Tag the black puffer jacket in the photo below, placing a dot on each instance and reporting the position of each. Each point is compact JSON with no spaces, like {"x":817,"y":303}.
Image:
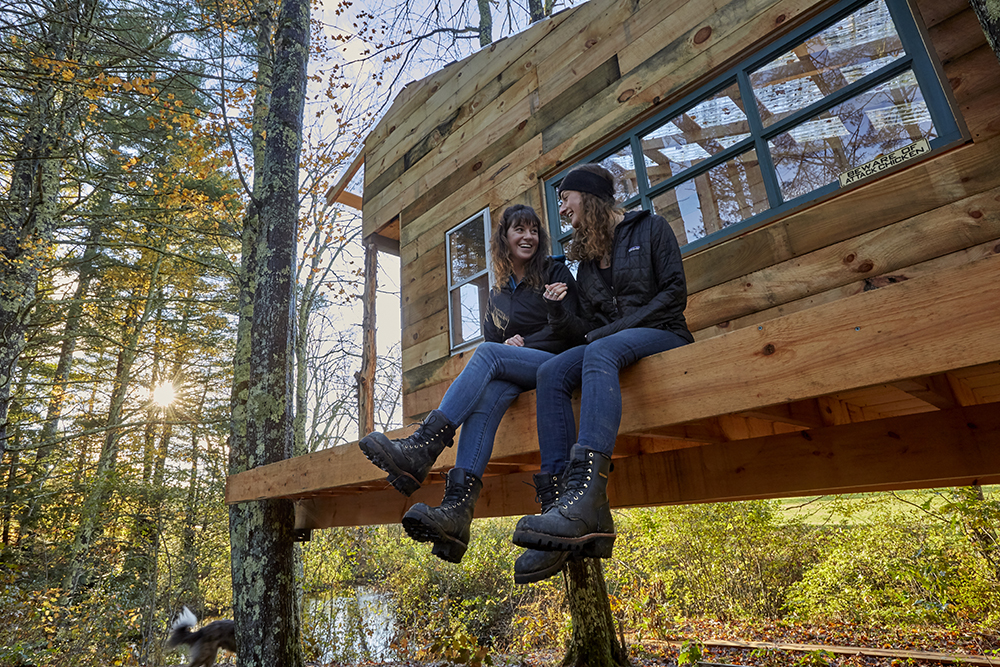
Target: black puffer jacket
{"x":649,"y":285}
{"x":521,"y":310}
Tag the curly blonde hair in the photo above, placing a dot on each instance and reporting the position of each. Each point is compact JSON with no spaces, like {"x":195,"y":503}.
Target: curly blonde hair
{"x":503,"y":266}
{"x":593,"y":239}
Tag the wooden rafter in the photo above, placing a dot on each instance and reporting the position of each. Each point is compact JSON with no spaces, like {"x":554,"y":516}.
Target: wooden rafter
{"x":339,"y":194}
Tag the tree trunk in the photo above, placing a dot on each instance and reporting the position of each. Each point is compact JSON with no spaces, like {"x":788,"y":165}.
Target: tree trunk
{"x":485,"y":23}
{"x":366,"y":376}
{"x":189,"y":589}
{"x":26,"y":230}
{"x":988,"y":12}
{"x":103,"y":484}
{"x":41,"y":468}
{"x":9,"y":488}
{"x":536,"y":12}
{"x":594,"y":642}
{"x":263,"y":558}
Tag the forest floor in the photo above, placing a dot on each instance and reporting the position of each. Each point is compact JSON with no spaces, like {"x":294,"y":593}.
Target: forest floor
{"x":778,"y":645}
{"x":789,"y":645}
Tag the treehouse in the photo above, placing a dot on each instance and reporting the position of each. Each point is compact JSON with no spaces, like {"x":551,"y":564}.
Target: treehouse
{"x":832,"y":172}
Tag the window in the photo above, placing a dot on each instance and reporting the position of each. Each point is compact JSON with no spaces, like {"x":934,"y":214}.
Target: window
{"x":786,"y":126}
{"x":468,"y":278}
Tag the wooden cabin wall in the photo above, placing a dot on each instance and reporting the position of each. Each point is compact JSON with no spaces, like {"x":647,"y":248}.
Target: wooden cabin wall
{"x":485,"y":131}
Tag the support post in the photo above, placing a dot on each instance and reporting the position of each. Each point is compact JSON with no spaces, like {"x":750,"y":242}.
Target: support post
{"x":594,"y":642}
{"x":366,"y":376}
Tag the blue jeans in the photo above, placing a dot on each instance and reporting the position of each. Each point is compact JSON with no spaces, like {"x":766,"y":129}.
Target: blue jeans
{"x":482,"y":392}
{"x":594,"y":368}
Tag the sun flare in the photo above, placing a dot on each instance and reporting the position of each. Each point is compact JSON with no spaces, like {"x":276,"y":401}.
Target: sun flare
{"x":163,"y":395}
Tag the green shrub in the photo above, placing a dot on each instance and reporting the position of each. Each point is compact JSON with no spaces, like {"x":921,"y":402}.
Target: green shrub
{"x":730,"y":560}
{"x":896,"y":560}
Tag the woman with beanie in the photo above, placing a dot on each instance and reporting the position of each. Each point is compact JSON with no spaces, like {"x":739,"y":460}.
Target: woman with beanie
{"x":632,"y":295}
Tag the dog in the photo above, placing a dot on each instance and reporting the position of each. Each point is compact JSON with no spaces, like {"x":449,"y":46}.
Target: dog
{"x":204,"y":643}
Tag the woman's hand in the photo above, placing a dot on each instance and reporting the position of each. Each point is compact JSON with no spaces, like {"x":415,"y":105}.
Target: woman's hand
{"x":515,"y":340}
{"x":555,"y":291}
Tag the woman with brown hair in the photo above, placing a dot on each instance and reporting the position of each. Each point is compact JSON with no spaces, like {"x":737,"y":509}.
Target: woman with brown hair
{"x":518,"y":340}
{"x":632,"y":294}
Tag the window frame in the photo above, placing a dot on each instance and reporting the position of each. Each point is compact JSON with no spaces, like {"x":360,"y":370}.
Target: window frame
{"x":918,"y":57}
{"x":452,"y":286}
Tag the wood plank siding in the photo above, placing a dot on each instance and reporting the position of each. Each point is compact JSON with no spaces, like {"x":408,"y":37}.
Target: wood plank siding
{"x":849,"y":344}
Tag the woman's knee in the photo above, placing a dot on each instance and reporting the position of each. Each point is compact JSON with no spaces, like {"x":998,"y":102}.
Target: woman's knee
{"x":486,"y":356}
{"x":605,"y":353}
{"x":558,"y":375}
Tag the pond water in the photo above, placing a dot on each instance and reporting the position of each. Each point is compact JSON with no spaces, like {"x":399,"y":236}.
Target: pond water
{"x":349,"y":625}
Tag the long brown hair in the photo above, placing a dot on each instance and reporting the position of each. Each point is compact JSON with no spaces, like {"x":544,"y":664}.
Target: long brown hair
{"x":503,"y":266}
{"x":593,"y":239}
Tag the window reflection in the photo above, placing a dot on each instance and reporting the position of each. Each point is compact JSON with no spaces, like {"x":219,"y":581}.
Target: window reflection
{"x":709,"y":127}
{"x":468,"y":250}
{"x":722,"y":196}
{"x":851,"y":121}
{"x":621,"y":164}
{"x":468,"y":278}
{"x":852,"y":48}
{"x":468,"y":303}
{"x":878,"y":121}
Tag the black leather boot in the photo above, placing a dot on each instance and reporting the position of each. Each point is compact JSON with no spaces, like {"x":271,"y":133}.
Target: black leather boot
{"x":447,"y":526}
{"x":581,"y":521}
{"x":534,"y":565}
{"x":409,"y":460}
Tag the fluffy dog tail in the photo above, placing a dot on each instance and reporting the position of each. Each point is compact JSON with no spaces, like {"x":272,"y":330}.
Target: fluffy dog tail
{"x":180,"y":631}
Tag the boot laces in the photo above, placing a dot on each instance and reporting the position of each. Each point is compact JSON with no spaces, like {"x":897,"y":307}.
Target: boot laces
{"x":548,"y":494}
{"x":578,"y":475}
{"x":455,"y":494}
{"x":420,"y":438}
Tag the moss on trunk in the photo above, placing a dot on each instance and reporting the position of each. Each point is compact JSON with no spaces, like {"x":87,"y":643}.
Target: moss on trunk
{"x":594,"y":642}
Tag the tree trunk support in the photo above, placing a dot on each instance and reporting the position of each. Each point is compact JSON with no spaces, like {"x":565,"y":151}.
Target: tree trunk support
{"x":594,"y":642}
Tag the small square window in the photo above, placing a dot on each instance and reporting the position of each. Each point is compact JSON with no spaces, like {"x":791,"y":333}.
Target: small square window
{"x":468,"y":278}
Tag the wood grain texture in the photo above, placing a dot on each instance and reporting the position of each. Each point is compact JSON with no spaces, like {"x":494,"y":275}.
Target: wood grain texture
{"x":924,"y":326}
{"x":955,"y":447}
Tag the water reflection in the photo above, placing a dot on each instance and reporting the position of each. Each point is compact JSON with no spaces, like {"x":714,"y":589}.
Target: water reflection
{"x":349,"y":625}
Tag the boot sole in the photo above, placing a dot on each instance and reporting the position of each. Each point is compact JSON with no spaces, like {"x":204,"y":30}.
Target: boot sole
{"x":446,"y":547}
{"x":374,"y":451}
{"x":546,"y":572}
{"x":593,"y":545}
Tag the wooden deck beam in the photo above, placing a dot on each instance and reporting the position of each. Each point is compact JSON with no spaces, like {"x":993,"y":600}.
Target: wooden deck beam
{"x":953,"y":447}
{"x":902,"y":333}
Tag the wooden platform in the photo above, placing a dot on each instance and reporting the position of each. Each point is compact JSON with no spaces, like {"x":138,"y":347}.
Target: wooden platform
{"x":783,"y":408}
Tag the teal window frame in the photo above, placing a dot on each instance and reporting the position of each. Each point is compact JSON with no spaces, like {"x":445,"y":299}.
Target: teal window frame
{"x":917,"y":57}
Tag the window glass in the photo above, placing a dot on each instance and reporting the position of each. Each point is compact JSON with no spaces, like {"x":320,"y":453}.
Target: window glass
{"x":707,"y":128}
{"x":621,"y":164}
{"x":835,"y":97}
{"x":876,"y":122}
{"x":468,"y":278}
{"x":847,"y":51}
{"x":720,"y":197}
{"x":467,"y":247}
{"x":468,"y":304}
